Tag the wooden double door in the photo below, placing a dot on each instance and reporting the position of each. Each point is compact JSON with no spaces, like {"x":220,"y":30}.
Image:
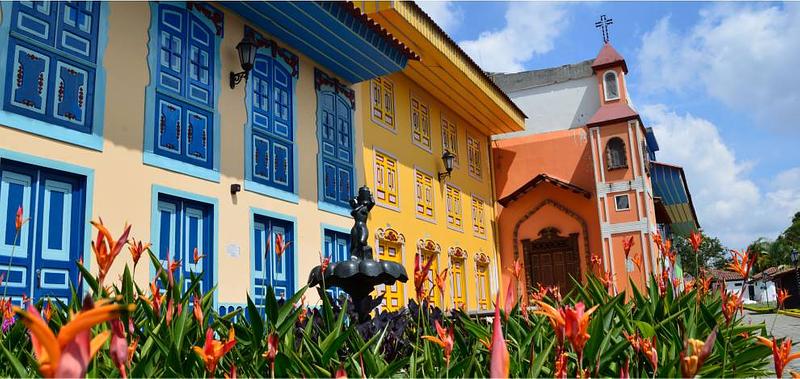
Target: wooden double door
{"x":552,"y":259}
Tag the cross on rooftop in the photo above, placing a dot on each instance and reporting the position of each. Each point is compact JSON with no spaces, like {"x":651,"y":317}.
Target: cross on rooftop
{"x":603,"y":26}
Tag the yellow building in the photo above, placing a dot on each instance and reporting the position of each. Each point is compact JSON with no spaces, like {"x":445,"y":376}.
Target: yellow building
{"x":442,"y":102}
{"x":126,"y":111}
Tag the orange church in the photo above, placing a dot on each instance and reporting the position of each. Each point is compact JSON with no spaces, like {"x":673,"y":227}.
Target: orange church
{"x":583,"y":179}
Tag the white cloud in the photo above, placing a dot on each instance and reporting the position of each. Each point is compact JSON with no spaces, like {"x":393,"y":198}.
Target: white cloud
{"x":447,"y":14}
{"x":745,"y":56}
{"x":729,"y":204}
{"x":530,"y":29}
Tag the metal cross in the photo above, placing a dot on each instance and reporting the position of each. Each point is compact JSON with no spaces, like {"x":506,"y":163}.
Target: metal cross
{"x":603,"y":26}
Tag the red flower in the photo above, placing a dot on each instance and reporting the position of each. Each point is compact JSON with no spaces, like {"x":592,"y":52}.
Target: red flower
{"x":47,"y":311}
{"x":137,"y":249}
{"x":781,"y":353}
{"x":118,"y":348}
{"x":214,"y":350}
{"x":695,"y":239}
{"x":783,"y":294}
{"x":106,"y":248}
{"x":323,"y":264}
{"x":280,"y":245}
{"x":742,"y":262}
{"x":19,"y":220}
{"x":516,"y":269}
{"x":445,"y":340}
{"x":340,"y":372}
{"x":627,"y":244}
{"x":597,"y":261}
{"x":441,"y":281}
{"x":561,"y":366}
{"x":556,"y":318}
{"x":197,"y":309}
{"x":637,"y":260}
{"x":511,"y":299}
{"x":576,"y":324}
{"x":421,"y":276}
{"x":499,"y":358}
{"x":731,"y":303}
{"x":196,"y":256}
{"x":692,"y":359}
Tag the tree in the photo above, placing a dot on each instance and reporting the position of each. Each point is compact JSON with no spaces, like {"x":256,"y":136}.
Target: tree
{"x":711,"y":253}
{"x":777,"y":252}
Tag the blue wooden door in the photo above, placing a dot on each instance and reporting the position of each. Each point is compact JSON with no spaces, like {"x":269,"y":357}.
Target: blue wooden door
{"x":182,"y":226}
{"x":336,"y":149}
{"x":337,"y":247}
{"x":269,"y":269}
{"x":39,"y":261}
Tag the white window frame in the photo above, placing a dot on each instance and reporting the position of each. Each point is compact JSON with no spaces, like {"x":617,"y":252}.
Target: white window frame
{"x":616,"y":203}
{"x":605,"y":89}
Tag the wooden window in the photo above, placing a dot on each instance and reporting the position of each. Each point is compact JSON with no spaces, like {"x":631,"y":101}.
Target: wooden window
{"x":390,"y":248}
{"x":615,"y":152}
{"x":386,"y":180}
{"x":424,"y":193}
{"x":458,"y":278}
{"x":478,"y":218}
{"x":335,"y":124}
{"x":611,"y":85}
{"x":483,"y":285}
{"x":382,"y":95}
{"x":420,"y":124}
{"x":622,"y":202}
{"x":449,"y":137}
{"x":474,"y":157}
{"x":429,"y":249}
{"x":454,"y":214}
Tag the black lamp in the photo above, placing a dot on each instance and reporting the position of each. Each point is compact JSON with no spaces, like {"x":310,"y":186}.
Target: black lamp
{"x":247,"y":56}
{"x":448,"y":159}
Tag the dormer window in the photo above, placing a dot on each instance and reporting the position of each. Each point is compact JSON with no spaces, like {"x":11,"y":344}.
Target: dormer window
{"x":611,"y":85}
{"x":615,"y":152}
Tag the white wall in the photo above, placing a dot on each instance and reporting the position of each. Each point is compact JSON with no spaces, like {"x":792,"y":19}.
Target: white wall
{"x":558,"y":106}
{"x":765,"y":292}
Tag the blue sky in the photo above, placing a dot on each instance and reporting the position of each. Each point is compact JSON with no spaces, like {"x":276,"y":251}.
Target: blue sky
{"x":717,"y":81}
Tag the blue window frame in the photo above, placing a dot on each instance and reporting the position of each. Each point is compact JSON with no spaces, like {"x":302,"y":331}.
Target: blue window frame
{"x":270,"y":151}
{"x":335,"y":104}
{"x":51,"y":69}
{"x":182,"y":122}
{"x":181,"y":225}
{"x":40,"y":261}
{"x":269,"y":269}
{"x":337,"y":247}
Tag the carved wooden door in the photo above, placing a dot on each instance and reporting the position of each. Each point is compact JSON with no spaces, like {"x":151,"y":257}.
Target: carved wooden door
{"x":551,"y":259}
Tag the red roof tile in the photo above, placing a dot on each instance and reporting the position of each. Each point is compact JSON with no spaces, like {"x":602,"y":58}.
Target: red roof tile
{"x":609,"y":56}
{"x":612,"y":112}
{"x":719,"y":275}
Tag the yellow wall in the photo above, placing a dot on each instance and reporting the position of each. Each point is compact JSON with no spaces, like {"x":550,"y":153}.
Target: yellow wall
{"x":398,"y":144}
{"x":123,"y":184}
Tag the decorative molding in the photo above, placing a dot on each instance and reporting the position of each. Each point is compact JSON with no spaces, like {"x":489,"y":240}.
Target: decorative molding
{"x":213,"y":14}
{"x":275,"y":50}
{"x":322,"y":79}
{"x":390,"y":235}
{"x":482,"y":259}
{"x":429,"y":245}
{"x":457,"y":252}
{"x":562,"y":208}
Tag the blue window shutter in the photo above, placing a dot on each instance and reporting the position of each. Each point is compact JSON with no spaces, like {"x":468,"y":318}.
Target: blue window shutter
{"x":198,"y":136}
{"x":268,"y":268}
{"x":182,"y":226}
{"x":282,"y":102}
{"x":200,"y":42}
{"x":168,"y":237}
{"x":169,"y":127}
{"x":337,"y":247}
{"x":78,"y":23}
{"x":36,"y":20}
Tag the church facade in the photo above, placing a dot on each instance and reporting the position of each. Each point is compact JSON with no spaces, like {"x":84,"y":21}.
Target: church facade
{"x":579,"y":190}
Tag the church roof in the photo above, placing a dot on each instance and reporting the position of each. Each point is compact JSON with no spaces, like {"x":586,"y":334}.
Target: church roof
{"x":518,"y":81}
{"x":607,"y":57}
{"x":543,"y":178}
{"x":612,"y":113}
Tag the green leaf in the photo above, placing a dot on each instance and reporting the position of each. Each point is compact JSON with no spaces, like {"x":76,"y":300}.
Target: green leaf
{"x":645,"y":329}
{"x":15,"y":363}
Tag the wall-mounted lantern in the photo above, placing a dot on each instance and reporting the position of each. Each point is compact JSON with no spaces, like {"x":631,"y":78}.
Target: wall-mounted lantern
{"x":235,"y":188}
{"x":246,"y":49}
{"x":448,"y":159}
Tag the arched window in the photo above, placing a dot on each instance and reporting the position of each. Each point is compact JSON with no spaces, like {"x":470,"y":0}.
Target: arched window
{"x":611,"y":85}
{"x":615,"y":150}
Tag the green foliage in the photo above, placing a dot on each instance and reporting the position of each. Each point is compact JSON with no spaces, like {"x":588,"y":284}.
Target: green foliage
{"x":711,"y":253}
{"x":319,"y":341}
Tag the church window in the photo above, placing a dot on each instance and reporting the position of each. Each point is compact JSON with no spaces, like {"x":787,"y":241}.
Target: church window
{"x":482,"y":281}
{"x":474,"y":156}
{"x":458,"y":278}
{"x":386,"y":180}
{"x":382,"y":96}
{"x":615,"y":150}
{"x":424,"y":193}
{"x":622,"y":202}
{"x":611,"y":85}
{"x":449,"y":136}
{"x":478,"y":218}
{"x":454,"y":214}
{"x":420,"y":124}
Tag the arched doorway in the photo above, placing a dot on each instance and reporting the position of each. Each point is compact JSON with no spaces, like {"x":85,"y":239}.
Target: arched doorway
{"x":551,"y":259}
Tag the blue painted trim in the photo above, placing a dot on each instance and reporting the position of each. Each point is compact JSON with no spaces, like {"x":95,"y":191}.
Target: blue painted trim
{"x":266,"y":190}
{"x":152,"y":159}
{"x":93,"y":140}
{"x":335,"y":209}
{"x":86,"y":172}
{"x":254,"y":211}
{"x":149,"y":156}
{"x":159,"y":189}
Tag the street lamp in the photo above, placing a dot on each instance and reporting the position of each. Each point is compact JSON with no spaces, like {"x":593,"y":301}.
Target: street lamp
{"x":246,"y":50}
{"x":447,"y":158}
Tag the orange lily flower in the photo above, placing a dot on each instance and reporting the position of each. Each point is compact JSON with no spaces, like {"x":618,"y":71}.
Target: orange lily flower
{"x":445,"y":340}
{"x":68,"y":353}
{"x":156,"y":302}
{"x":627,"y":244}
{"x":561,"y":366}
{"x":706,"y":284}
{"x":688,"y":285}
{"x":137,"y":249}
{"x":7,"y":310}
{"x":197,"y":256}
{"x":441,"y":281}
{"x":781,"y":353}
{"x":695,"y":239}
{"x":106,"y":249}
{"x":576,"y":323}
{"x":499,"y":358}
{"x":280,"y":245}
{"x":556,"y":317}
{"x":172,"y":266}
{"x":47,"y":311}
{"x":516,"y":269}
{"x":731,"y":303}
{"x":783,"y":294}
{"x":692,"y":359}
{"x":213,"y":350}
{"x":742,"y":262}
{"x":609,"y":280}
{"x":634,"y":340}
{"x":132,"y":349}
{"x":197,"y":309}
{"x":597,"y":261}
{"x":421,"y":275}
{"x":19,"y":220}
{"x":637,"y":260}
{"x":676,"y":283}
{"x":650,"y":352}
{"x":539,"y":293}
{"x":170,"y":311}
{"x":658,"y":241}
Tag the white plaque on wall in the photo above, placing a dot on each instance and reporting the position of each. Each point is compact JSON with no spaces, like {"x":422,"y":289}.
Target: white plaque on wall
{"x":233,"y":250}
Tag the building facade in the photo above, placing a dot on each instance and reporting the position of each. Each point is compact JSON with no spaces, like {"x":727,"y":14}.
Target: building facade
{"x":125,"y":111}
{"x":577,"y":186}
{"x":411,"y":118}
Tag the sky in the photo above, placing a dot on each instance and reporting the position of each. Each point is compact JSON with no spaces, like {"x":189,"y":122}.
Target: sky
{"x":718,"y":82}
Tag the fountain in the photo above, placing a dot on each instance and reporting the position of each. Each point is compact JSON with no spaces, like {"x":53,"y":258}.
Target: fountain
{"x":359,"y":275}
